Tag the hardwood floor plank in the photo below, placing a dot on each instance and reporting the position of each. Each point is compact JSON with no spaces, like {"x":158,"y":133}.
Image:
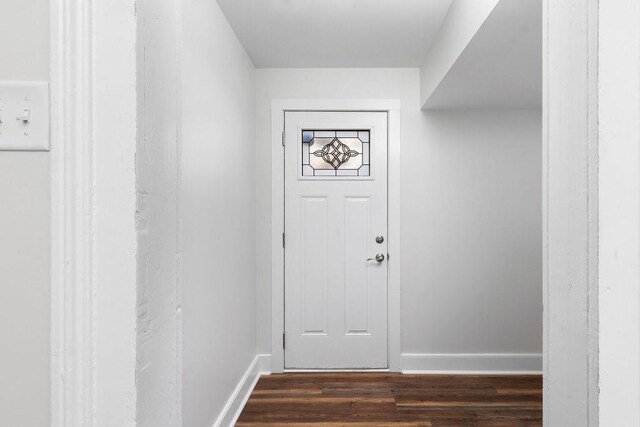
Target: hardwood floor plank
{"x":518,"y":390}
{"x":284,"y":392}
{"x":323,"y":399}
{"x":342,"y":424}
{"x":445,"y":391}
{"x":469,"y":402}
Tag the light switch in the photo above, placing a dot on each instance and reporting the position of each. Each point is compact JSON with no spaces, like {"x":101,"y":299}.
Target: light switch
{"x":24,"y":116}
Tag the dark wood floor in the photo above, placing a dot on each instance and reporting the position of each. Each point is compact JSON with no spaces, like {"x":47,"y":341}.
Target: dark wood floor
{"x":376,"y":400}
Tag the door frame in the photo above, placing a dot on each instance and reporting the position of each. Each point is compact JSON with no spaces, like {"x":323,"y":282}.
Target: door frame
{"x":278,"y":109}
{"x":93,"y":240}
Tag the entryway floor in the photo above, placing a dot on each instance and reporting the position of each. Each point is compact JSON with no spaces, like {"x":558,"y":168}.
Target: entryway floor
{"x":383,"y":399}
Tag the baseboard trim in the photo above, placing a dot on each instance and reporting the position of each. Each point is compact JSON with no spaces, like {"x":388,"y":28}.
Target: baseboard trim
{"x":476,"y":364}
{"x":261,"y":365}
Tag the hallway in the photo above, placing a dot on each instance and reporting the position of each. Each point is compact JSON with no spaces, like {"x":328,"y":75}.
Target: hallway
{"x":383,"y":399}
{"x":310,"y":213}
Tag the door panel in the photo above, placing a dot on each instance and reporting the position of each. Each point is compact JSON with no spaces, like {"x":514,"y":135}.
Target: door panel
{"x":335,"y":206}
{"x":314,"y":264}
{"x":357,"y":220}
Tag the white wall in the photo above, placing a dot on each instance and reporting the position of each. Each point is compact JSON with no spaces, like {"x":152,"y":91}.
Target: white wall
{"x":471,"y":216}
{"x":24,"y":233}
{"x":159,"y":363}
{"x":195,"y":213}
{"x":471,"y":233}
{"x":217,"y":211}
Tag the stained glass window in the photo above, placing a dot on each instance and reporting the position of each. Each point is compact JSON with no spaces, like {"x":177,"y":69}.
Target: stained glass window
{"x":335,"y":153}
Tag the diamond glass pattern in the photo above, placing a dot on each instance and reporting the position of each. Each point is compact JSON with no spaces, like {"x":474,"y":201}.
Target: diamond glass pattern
{"x":335,"y":153}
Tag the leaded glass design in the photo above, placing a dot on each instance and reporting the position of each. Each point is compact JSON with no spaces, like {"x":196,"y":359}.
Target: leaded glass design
{"x":335,"y":153}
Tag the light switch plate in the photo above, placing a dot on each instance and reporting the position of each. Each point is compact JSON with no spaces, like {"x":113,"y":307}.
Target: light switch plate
{"x":24,"y":116}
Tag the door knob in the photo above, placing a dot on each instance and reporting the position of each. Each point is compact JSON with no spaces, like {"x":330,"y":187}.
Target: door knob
{"x":378,"y":257}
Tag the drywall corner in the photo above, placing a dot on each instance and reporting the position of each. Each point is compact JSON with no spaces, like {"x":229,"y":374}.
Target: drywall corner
{"x":463,"y":20}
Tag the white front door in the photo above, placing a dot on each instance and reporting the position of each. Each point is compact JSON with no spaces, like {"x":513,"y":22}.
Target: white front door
{"x":336,"y":226}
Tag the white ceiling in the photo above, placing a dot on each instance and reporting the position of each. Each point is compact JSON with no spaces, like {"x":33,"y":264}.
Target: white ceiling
{"x":335,"y":33}
{"x":502,"y":65}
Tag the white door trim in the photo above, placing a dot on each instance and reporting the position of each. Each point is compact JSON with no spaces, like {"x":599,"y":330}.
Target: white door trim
{"x":71,"y":169}
{"x":278,"y":107}
{"x":93,"y":234}
{"x":570,"y":213}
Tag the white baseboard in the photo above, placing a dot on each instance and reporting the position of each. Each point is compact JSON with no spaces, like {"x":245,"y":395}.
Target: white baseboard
{"x":477,"y":364}
{"x":261,"y":365}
